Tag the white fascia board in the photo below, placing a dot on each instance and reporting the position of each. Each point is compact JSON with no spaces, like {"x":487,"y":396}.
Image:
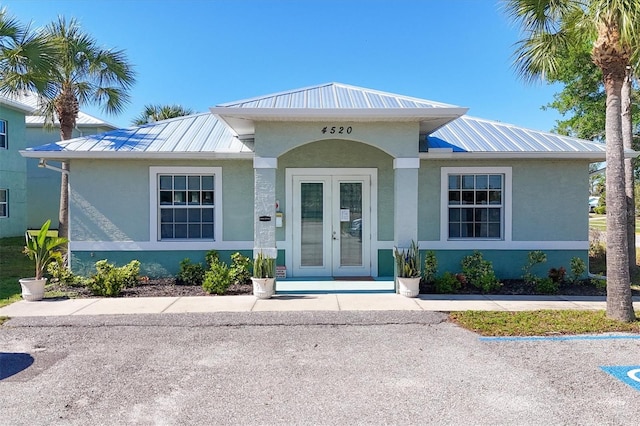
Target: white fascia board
{"x":16,"y":105}
{"x":592,"y":156}
{"x":106,"y":155}
{"x":310,"y":114}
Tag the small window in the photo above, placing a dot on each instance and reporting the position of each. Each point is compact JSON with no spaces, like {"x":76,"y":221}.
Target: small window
{"x":4,"y":140}
{"x":186,"y":208}
{"x":4,"y":203}
{"x":475,"y":206}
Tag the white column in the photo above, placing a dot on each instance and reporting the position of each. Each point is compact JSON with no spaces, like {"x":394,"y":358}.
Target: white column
{"x":405,"y":215}
{"x":264,"y":234}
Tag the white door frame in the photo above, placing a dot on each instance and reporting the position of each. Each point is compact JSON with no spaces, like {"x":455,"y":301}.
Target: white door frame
{"x":294,"y":174}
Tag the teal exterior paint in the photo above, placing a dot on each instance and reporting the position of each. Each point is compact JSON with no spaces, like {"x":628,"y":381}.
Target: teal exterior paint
{"x":13,"y":173}
{"x":154,"y":264}
{"x":508,"y":264}
{"x":121,"y":212}
{"x":549,"y":198}
{"x":43,"y":185}
{"x":343,"y":154}
{"x":386,"y":266}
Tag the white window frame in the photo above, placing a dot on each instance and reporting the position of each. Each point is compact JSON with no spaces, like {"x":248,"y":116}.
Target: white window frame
{"x":476,"y":243}
{"x":5,"y":203}
{"x":154,"y":206}
{"x":5,"y":134}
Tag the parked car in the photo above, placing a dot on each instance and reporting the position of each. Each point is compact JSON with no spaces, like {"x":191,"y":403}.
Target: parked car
{"x":593,"y":203}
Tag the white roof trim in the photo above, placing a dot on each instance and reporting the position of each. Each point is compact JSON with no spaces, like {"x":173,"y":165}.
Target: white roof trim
{"x":594,"y":156}
{"x":128,"y":155}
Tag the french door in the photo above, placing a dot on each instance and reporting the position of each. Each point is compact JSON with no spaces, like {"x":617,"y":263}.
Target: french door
{"x":331,"y":225}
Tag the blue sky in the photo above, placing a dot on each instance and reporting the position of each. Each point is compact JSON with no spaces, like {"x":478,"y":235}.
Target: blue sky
{"x":200,"y":53}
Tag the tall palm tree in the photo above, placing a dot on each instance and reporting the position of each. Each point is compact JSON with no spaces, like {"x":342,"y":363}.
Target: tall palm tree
{"x":153,"y":113}
{"x":549,"y":26}
{"x":81,"y":73}
{"x":25,"y":56}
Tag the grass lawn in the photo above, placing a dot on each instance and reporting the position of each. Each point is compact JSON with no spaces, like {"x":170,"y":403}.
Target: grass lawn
{"x":599,"y":222}
{"x":13,"y":266}
{"x":541,"y":323}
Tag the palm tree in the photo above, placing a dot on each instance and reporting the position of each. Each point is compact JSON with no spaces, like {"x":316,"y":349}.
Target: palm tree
{"x":81,"y":73}
{"x":549,"y":26}
{"x":24,"y":58}
{"x":153,"y":113}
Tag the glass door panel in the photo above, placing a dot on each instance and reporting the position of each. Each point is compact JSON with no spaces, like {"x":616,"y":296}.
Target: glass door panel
{"x":351,"y":223}
{"x":311,"y":224}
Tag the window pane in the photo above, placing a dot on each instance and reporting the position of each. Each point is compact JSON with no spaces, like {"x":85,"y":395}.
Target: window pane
{"x":180,"y":215}
{"x":482,"y":182}
{"x":494,"y":215}
{"x":207,"y":197}
{"x":179,"y":182}
{"x":495,"y":182}
{"x":481,"y":215}
{"x":480,"y":230}
{"x":194,"y":197}
{"x":3,"y":126}
{"x":466,"y":215}
{"x":468,"y":181}
{"x":3,"y":195}
{"x":494,"y":230}
{"x":166,"y":231}
{"x":454,"y":181}
{"x":165,"y":182}
{"x":194,"y":215}
{"x":180,"y":231}
{"x":166,"y":215}
{"x":3,"y":141}
{"x":166,"y":197}
{"x":454,"y":197}
{"x":207,"y":183}
{"x":454,"y":230}
{"x":466,"y":230}
{"x":495,"y":197}
{"x":468,"y":197}
{"x":481,"y":197}
{"x":194,"y":183}
{"x":179,"y":197}
{"x":207,"y":231}
{"x":207,"y":215}
{"x":3,"y":210}
{"x":454,"y":215}
{"x":194,"y":231}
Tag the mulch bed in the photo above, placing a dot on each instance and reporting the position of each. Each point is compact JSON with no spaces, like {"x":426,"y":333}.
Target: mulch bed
{"x":167,"y":287}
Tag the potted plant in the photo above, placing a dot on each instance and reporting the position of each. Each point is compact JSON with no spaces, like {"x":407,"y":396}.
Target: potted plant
{"x":42,"y":249}
{"x":263,"y":276}
{"x":408,"y":270}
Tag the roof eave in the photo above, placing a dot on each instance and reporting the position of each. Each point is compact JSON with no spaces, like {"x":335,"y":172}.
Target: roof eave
{"x":110,"y":155}
{"x":590,"y":156}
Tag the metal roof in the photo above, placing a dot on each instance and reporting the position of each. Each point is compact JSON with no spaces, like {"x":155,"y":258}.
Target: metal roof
{"x":335,"y":96}
{"x":211,"y":135}
{"x":193,"y":136}
{"x":475,"y":135}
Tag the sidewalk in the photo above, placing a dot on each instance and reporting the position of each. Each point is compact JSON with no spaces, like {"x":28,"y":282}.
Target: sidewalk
{"x":306,"y":302}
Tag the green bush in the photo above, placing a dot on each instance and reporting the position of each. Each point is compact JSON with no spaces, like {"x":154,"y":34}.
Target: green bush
{"x":547,"y":286}
{"x":109,"y":280}
{"x":240,"y":268}
{"x":600,"y":210}
{"x":479,"y":273}
{"x":217,"y":279}
{"x":190,"y":273}
{"x":534,"y":258}
{"x":430,"y":266}
{"x":578,"y":268}
{"x":211,"y":257}
{"x":447,"y":283}
{"x":63,"y":275}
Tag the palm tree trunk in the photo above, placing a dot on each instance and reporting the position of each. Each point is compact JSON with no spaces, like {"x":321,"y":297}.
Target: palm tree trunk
{"x":63,"y":214}
{"x":627,"y":140}
{"x":619,"y":302}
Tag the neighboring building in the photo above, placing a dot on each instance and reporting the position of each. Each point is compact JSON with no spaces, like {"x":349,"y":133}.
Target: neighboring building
{"x":30,"y":185}
{"x":330,"y":178}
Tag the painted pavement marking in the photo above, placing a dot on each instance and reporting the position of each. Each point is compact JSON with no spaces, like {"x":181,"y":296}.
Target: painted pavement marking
{"x":626,"y":374}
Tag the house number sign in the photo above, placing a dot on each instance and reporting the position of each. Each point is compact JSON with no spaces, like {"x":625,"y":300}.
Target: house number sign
{"x":340,"y":130}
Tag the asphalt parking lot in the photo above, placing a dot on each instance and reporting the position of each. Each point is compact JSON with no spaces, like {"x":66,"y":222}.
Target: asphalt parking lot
{"x":303,"y":368}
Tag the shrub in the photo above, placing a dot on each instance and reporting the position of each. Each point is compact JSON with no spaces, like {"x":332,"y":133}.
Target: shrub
{"x":62,"y":274}
{"x":479,"y":273}
{"x":600,"y":210}
{"x":547,"y":286}
{"x":534,"y":258}
{"x":557,"y":275}
{"x":240,"y":269}
{"x":578,"y":268}
{"x":211,"y":257}
{"x":599,"y":283}
{"x":447,"y":283}
{"x":430,"y":266}
{"x":217,"y":279}
{"x":190,"y":273}
{"x":109,"y":280}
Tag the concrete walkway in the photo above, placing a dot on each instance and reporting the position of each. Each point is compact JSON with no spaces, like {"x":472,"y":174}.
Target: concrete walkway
{"x":308,"y":302}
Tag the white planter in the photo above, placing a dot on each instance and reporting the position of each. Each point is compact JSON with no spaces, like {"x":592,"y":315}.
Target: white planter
{"x":409,"y":287}
{"x":32,"y":289}
{"x":263,"y":288}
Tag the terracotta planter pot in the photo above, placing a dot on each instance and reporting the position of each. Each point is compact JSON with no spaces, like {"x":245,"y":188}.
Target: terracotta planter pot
{"x":32,"y":289}
{"x":263,"y":288}
{"x":409,"y":287}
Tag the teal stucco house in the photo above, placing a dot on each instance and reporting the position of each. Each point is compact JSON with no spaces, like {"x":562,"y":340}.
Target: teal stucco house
{"x":29,"y":195}
{"x":329,"y":179}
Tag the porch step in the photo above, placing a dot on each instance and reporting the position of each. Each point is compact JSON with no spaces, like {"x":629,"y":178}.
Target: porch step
{"x":333,"y":286}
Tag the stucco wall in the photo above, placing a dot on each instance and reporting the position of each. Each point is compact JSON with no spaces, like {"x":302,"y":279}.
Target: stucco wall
{"x":13,"y":173}
{"x":110,"y":198}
